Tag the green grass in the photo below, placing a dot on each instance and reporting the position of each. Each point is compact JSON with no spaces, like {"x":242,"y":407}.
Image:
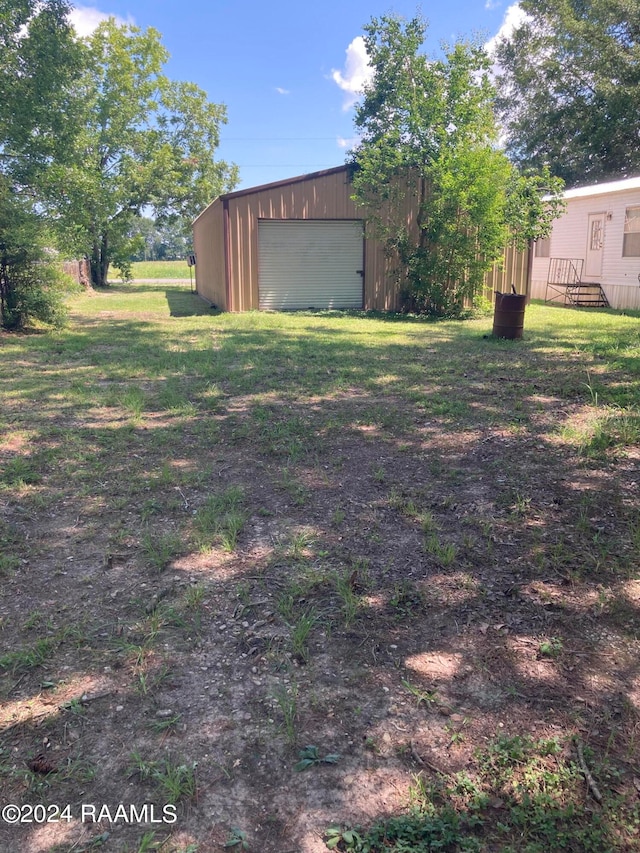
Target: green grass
{"x":444,"y":553}
{"x":21,"y":660}
{"x":286,"y":699}
{"x":220,"y":520}
{"x":325,"y":354}
{"x":156,"y":269}
{"x":349,"y":600}
{"x":160,"y":548}
{"x":175,"y":782}
{"x":300,"y":633}
{"x":535,"y":789}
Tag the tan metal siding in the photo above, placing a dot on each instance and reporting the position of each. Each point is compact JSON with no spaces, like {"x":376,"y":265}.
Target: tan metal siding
{"x":384,"y":274}
{"x":381,"y":290}
{"x":512,"y":270}
{"x":208,"y":244}
{"x":324,"y":197}
{"x":319,"y":196}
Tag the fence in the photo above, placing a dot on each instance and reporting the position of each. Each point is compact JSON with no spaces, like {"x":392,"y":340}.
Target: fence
{"x":79,"y":271}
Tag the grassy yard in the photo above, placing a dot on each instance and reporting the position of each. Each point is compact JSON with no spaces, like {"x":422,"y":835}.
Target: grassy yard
{"x":319,"y":581}
{"x":155,"y":269}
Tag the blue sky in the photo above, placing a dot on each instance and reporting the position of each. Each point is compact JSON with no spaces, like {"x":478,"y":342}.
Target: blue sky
{"x":286,"y":71}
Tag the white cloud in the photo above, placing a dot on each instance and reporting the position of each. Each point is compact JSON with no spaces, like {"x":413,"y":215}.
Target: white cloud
{"x":282,"y":91}
{"x":347,"y":142}
{"x":357,"y":72}
{"x":514,"y":16}
{"x":86,"y":18}
{"x":492,"y":4}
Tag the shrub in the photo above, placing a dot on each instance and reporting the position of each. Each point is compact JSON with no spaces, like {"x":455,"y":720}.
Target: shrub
{"x":32,"y":287}
{"x":32,"y":291}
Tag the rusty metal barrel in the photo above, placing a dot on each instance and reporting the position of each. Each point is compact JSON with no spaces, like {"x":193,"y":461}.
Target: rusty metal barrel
{"x":508,"y":315}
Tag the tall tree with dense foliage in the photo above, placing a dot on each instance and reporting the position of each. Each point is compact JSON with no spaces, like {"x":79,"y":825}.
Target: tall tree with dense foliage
{"x":145,"y":144}
{"x":39,"y":64}
{"x":428,"y":132}
{"x":570,"y":88}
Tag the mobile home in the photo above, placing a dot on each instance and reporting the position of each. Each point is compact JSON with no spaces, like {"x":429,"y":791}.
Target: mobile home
{"x":592,"y":257}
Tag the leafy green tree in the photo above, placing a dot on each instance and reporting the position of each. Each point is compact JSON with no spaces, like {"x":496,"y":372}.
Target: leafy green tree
{"x":39,"y":63}
{"x":153,"y":241}
{"x":175,"y":239}
{"x":38,"y":66}
{"x":145,"y":143}
{"x":570,"y":88}
{"x":428,"y":142}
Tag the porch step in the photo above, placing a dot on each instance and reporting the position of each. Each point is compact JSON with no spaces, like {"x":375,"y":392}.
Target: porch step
{"x":587,"y":294}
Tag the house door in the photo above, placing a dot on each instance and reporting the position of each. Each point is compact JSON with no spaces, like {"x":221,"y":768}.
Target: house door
{"x":595,"y":244}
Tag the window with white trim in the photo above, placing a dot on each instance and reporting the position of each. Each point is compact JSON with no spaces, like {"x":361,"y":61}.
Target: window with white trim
{"x":631,"y":241}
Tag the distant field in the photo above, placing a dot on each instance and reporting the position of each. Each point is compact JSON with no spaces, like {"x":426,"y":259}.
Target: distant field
{"x":157,"y":269}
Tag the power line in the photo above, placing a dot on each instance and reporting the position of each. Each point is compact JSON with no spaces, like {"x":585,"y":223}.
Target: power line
{"x":278,"y":138}
{"x":286,"y":165}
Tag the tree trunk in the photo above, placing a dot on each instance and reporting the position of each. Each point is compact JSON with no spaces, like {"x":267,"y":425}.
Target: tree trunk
{"x":99,"y":262}
{"x":4,"y":290}
{"x":10,"y":318}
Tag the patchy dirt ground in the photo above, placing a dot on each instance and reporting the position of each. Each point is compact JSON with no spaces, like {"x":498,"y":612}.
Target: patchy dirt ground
{"x":394,"y":582}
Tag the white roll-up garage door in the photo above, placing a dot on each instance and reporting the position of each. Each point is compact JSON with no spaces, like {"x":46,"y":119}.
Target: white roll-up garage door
{"x":310,"y":264}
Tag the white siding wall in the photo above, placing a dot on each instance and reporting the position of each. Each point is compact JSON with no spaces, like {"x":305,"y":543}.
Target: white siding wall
{"x":569,"y":240}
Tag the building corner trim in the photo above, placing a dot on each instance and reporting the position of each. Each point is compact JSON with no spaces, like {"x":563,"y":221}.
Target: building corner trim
{"x":227,"y":253}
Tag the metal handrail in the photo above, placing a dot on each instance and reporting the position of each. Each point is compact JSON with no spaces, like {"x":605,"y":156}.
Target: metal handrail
{"x":565,"y":270}
{"x":564,"y":282}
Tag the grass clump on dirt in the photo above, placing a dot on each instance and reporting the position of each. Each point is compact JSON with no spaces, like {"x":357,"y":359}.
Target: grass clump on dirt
{"x":220,"y":520}
{"x":526,"y":796}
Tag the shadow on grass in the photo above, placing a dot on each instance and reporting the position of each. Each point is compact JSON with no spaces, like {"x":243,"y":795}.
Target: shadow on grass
{"x":187,"y":304}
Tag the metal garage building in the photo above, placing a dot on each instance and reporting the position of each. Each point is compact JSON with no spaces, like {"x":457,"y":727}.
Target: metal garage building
{"x":302,"y":243}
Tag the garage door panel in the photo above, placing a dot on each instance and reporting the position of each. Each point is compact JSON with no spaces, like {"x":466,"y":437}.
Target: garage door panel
{"x":305,"y":264}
